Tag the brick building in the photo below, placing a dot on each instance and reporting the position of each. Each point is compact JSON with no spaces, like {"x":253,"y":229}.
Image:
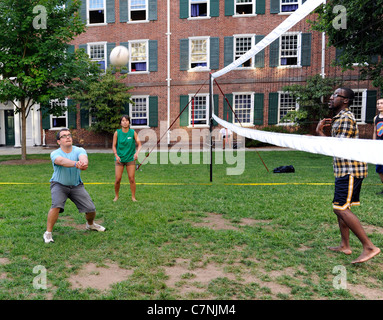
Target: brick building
{"x":174,"y":45}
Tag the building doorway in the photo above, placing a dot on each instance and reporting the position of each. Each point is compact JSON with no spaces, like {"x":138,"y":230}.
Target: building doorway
{"x":9,"y":118}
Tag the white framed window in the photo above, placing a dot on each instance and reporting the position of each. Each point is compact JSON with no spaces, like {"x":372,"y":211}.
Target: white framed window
{"x":290,"y":49}
{"x":244,"y":43}
{"x":61,"y":121}
{"x":286,"y":104}
{"x":199,"y":53}
{"x":358,"y":107}
{"x":138,"y":10}
{"x":96,"y":12}
{"x":243,"y":103}
{"x":139,"y":56}
{"x":139,"y":111}
{"x":244,"y":7}
{"x":199,"y":110}
{"x":199,"y":8}
{"x":97,"y":53}
{"x":288,"y":6}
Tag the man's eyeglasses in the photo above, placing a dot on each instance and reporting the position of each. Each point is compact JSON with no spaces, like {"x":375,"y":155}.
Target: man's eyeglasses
{"x":66,"y":136}
{"x":338,"y":95}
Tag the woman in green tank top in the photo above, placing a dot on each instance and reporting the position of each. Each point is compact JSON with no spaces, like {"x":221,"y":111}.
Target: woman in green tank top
{"x":124,"y":149}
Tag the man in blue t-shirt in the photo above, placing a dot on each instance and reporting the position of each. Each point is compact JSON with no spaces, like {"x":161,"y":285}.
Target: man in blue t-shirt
{"x":66,"y":183}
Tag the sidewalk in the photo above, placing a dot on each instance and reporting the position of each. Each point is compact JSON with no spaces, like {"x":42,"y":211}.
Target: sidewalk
{"x":172,"y":148}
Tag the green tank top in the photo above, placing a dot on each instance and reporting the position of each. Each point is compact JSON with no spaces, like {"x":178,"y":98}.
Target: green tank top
{"x":126,"y":145}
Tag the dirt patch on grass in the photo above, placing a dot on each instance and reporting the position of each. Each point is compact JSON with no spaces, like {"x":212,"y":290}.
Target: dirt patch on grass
{"x":216,"y":221}
{"x":101,"y":278}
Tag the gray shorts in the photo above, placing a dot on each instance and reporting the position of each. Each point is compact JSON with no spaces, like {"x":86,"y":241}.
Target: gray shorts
{"x":79,"y":196}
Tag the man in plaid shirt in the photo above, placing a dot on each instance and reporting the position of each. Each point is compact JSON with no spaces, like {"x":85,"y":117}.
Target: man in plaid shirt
{"x":349,"y":175}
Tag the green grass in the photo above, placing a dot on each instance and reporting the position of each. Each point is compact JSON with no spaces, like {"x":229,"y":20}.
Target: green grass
{"x":284,"y":248}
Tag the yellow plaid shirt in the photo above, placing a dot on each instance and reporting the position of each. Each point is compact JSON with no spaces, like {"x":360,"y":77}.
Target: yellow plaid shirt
{"x":344,"y":126}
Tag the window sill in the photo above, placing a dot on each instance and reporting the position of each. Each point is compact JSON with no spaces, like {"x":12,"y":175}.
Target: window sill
{"x":96,"y":24}
{"x":199,"y":69}
{"x":237,"y":15}
{"x":288,"y":67}
{"x":137,"y":21}
{"x":199,"y":18}
{"x":140,"y":127}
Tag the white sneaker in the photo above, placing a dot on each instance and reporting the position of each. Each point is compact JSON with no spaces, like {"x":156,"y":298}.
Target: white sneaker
{"x":95,"y":227}
{"x":48,"y":237}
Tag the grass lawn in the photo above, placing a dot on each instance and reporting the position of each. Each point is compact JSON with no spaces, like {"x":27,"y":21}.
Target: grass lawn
{"x":257,"y":235}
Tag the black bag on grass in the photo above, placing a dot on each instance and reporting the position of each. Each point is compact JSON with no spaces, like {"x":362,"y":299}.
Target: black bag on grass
{"x":284,"y":169}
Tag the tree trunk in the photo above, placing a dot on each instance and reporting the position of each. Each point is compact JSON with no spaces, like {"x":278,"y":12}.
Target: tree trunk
{"x":23,"y":130}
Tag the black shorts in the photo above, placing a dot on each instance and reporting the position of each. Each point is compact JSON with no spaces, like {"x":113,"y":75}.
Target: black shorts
{"x":347,"y":190}
{"x":80,"y":197}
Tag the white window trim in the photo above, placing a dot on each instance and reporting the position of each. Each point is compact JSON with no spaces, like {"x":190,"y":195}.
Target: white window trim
{"x":138,"y":21}
{"x":207,"y":10}
{"x":65,"y":115}
{"x":147,"y":111}
{"x":200,"y":69}
{"x":147,"y":57}
{"x":251,"y":124}
{"x":288,"y":13}
{"x":253,"y":14}
{"x":364,"y":105}
{"x":105,"y":51}
{"x":207,"y":111}
{"x":87,"y":16}
{"x":299,"y":50}
{"x":252,"y":45}
{"x":279,"y":110}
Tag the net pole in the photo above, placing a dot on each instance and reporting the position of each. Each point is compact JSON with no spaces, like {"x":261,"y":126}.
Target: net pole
{"x":211,"y":125}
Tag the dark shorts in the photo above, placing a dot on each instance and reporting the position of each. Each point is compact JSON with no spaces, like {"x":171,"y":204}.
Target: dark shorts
{"x":347,"y":190}
{"x":379,"y":168}
{"x":79,"y":196}
{"x":130,"y":163}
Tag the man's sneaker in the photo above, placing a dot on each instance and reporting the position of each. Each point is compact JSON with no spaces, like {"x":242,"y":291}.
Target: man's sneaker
{"x":48,"y":237}
{"x":95,"y":227}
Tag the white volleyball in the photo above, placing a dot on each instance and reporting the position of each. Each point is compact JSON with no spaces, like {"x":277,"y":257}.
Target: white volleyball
{"x":119,"y":56}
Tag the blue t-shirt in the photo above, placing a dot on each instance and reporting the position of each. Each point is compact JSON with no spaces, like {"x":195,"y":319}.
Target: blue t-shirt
{"x":64,"y":175}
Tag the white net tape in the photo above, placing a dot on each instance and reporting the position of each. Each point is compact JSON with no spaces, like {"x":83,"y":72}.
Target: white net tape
{"x":287,"y":24}
{"x":370,"y":151}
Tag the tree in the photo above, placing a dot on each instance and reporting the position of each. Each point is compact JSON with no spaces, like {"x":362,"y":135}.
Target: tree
{"x":355,"y":28}
{"x":36,"y":65}
{"x":105,"y":101}
{"x":311,"y":99}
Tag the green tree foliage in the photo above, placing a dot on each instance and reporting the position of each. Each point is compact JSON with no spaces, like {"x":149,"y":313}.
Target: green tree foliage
{"x":105,"y":100}
{"x":355,"y":28}
{"x":35,"y":61}
{"x":312,"y":99}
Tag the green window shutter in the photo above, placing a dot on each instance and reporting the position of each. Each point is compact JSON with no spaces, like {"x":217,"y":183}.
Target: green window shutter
{"x":227,"y":113}
{"x":216,"y":108}
{"x":153,"y":53}
{"x":273,"y":107}
{"x":126,"y":44}
{"x":338,"y":53}
{"x":83,"y":46}
{"x":70,"y":48}
{"x":214,"y":53}
{"x":274,"y":6}
{"x":124,"y":15}
{"x":126,"y":109}
{"x":259,"y":59}
{"x":45,"y":116}
{"x":258,"y":108}
{"x":260,"y":7}
{"x":184,"y":117}
{"x":84,"y":118}
{"x":110,"y":14}
{"x":153,"y":111}
{"x":152,"y":10}
{"x":306,"y":50}
{"x":214,"y":8}
{"x":72,"y":114}
{"x":83,"y":11}
{"x":274,"y":53}
{"x":184,"y":54}
{"x":109,"y":48}
{"x":229,"y":7}
{"x":228,"y":50}
{"x":371,"y":105}
{"x":184,"y":9}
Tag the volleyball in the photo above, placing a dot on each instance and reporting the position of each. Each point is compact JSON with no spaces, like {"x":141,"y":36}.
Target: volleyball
{"x":119,"y":56}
